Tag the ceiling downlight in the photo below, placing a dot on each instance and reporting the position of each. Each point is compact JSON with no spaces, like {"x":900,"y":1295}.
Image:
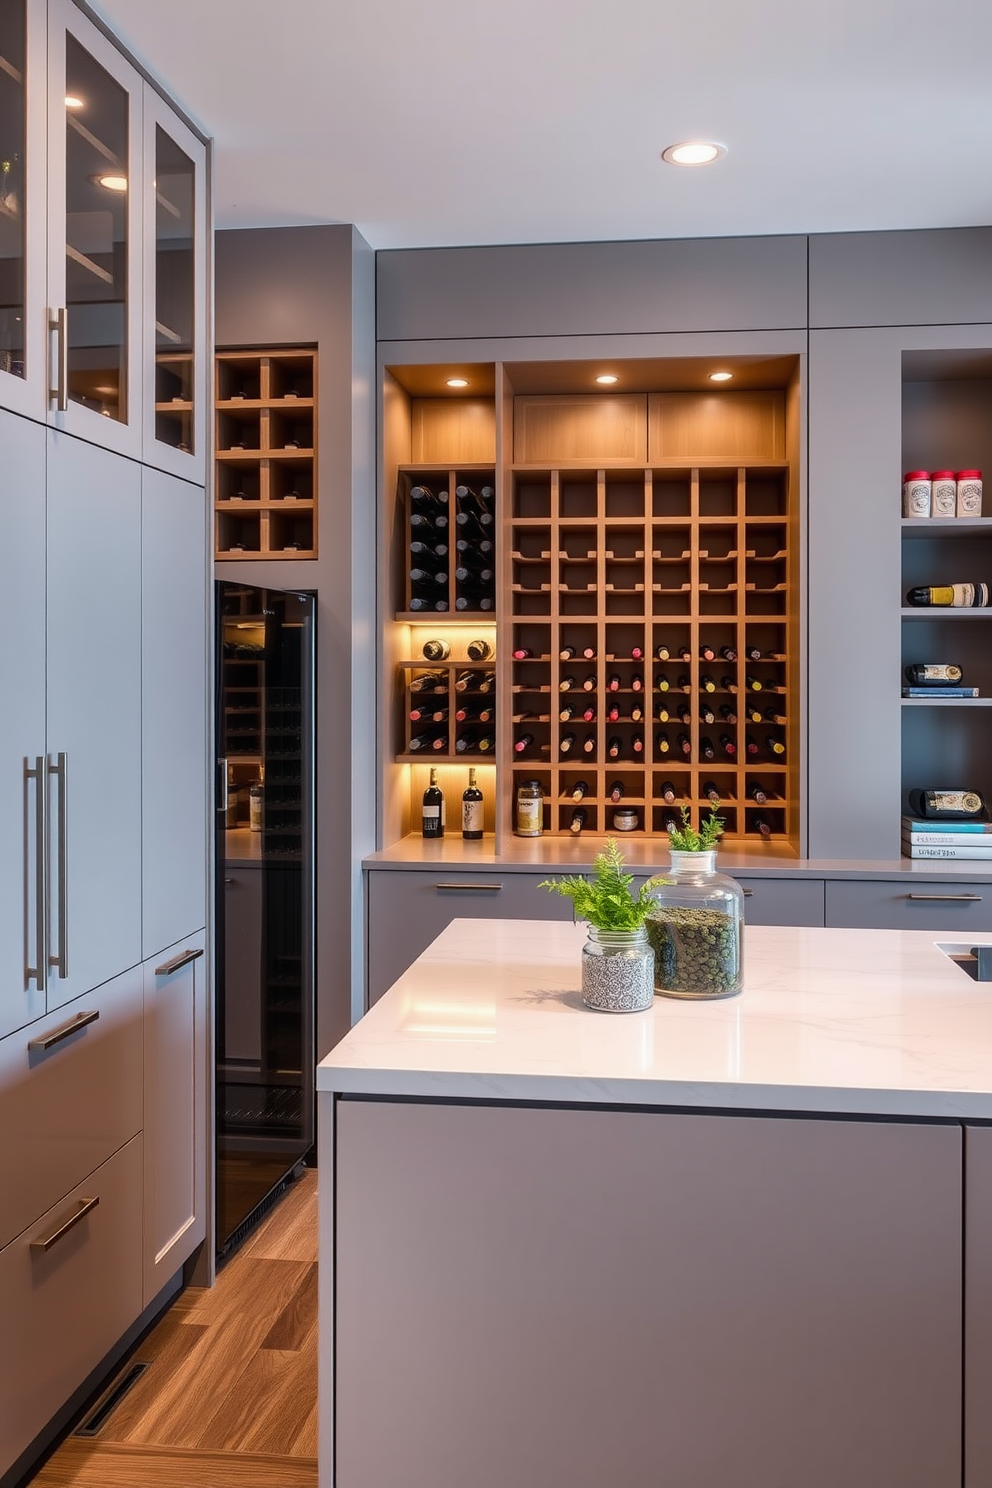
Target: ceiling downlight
{"x":694,"y":152}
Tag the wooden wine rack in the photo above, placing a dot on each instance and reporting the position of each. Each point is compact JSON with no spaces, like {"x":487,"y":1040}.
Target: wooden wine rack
{"x":266,"y":454}
{"x":437,"y":479}
{"x":615,"y":560}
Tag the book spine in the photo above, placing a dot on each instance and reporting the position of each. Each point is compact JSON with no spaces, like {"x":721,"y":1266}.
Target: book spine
{"x":940,"y":692}
{"x":966,"y":850}
{"x":946,"y":839}
{"x":911,"y":824}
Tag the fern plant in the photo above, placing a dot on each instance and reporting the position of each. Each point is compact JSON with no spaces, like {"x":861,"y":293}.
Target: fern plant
{"x":606,"y":900}
{"x":687,"y":839}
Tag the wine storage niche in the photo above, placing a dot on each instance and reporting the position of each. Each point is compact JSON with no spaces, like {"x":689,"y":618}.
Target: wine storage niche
{"x":266,"y":454}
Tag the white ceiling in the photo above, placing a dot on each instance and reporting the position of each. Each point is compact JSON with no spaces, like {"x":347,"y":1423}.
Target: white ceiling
{"x":430,"y":122}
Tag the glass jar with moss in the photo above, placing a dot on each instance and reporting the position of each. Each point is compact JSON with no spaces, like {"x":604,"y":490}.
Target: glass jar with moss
{"x":695,"y":927}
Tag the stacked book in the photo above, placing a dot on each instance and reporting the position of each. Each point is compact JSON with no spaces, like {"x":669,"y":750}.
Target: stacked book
{"x":940,"y":692}
{"x":946,"y":839}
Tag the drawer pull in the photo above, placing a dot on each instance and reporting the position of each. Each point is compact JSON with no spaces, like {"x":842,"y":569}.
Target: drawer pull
{"x":183,"y":959}
{"x":64,"y":1031}
{"x":54,"y":1236}
{"x":472,"y":887}
{"x":949,"y":898}
{"x":747,"y":893}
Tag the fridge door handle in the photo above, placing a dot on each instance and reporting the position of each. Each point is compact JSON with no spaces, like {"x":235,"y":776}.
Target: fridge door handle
{"x":222,"y":785}
{"x":60,"y":961}
{"x":38,"y":973}
{"x":59,"y":394}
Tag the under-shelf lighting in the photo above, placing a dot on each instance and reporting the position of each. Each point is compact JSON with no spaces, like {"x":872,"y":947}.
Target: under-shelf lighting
{"x":72,"y":102}
{"x":112,"y":182}
{"x":720,"y":376}
{"x":606,"y":378}
{"x":456,"y":382}
{"x":694,"y":152}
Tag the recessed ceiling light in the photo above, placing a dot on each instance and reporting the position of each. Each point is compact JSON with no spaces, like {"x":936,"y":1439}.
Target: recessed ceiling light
{"x":694,"y":152}
{"x":108,"y":390}
{"x":112,"y":182}
{"x":72,"y":102}
{"x":456,"y":382}
{"x":721,"y":376}
{"x":607,"y":377}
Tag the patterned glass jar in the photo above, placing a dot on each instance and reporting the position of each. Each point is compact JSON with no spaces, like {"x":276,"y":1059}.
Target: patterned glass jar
{"x":617,"y":971}
{"x":695,"y":929}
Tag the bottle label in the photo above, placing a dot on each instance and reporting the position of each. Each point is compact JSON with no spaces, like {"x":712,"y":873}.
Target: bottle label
{"x":432,"y":813}
{"x":969,"y":498}
{"x":472,"y":816}
{"x":530,"y":818}
{"x":936,"y":672}
{"x":916,"y":498}
{"x":944,"y":498}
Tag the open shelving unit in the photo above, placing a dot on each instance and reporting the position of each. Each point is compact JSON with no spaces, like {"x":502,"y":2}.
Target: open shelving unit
{"x":266,"y":454}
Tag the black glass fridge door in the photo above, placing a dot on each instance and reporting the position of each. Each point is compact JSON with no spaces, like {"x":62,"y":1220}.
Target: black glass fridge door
{"x":265,"y":926}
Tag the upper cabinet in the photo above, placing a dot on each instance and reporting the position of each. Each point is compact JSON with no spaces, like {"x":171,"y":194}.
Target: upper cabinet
{"x":103,"y":237}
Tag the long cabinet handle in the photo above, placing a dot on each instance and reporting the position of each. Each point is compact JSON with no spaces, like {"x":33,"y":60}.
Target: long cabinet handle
{"x":59,"y":394}
{"x":472,"y":888}
{"x":38,"y":973}
{"x":60,"y":961}
{"x":45,"y":1242}
{"x":747,"y":893}
{"x":64,"y":1031}
{"x":948,"y":898}
{"x":183,"y":959}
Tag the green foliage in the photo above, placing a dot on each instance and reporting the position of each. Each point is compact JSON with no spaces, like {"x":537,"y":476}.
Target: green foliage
{"x":687,"y":839}
{"x":606,"y":900}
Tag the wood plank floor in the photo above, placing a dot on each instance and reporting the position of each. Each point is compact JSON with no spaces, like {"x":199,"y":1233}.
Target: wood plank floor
{"x":231,"y":1398}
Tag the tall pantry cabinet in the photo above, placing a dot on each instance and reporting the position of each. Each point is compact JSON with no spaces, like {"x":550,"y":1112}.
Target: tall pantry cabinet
{"x":103,"y":731}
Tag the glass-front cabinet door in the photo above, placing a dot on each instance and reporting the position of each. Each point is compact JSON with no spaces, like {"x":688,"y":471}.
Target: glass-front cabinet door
{"x":176,"y":391}
{"x":95,"y":237}
{"x":23,"y":370}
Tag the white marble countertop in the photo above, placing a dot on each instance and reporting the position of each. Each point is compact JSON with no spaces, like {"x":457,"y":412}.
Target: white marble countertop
{"x":869,"y":1022}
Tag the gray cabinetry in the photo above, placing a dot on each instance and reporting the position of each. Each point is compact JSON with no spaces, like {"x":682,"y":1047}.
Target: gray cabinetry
{"x":978,"y":1308}
{"x":953,"y":908}
{"x":900,"y":278}
{"x":406,"y":911}
{"x":782,"y":901}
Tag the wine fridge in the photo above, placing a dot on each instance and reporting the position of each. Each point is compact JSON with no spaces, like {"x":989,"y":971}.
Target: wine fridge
{"x":264,"y":1035}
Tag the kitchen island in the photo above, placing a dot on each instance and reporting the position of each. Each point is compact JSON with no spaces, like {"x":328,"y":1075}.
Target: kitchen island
{"x":711,"y":1245}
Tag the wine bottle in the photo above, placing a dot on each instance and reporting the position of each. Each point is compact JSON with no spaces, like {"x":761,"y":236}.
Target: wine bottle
{"x":424,"y":496}
{"x":589,"y":712}
{"x":668,"y":792}
{"x":684,"y":681}
{"x":706,"y":714}
{"x":483,"y":546}
{"x":566,"y":653}
{"x":474,"y":578}
{"x":662,"y":652}
{"x":612,"y":682}
{"x":957,"y":596}
{"x":670,"y":823}
{"x":437,"y":650}
{"x":473,"y":808}
{"x":614,"y":747}
{"x":753,"y":684}
{"x":577,"y":820}
{"x":487,"y":682}
{"x":579,"y":789}
{"x":772,"y":715}
{"x":663,"y":715}
{"x":727,"y":713}
{"x":430,"y":682}
{"x":566,"y":684}
{"x":428,"y":712}
{"x":637,"y":743}
{"x":728,"y":746}
{"x":429,"y":549}
{"x":418,"y":602}
{"x":467,"y":713}
{"x":752,"y":653}
{"x":589,"y":683}
{"x":421,"y":522}
{"x":934,"y":674}
{"x":616,"y":791}
{"x":662,"y":743}
{"x":565,"y":743}
{"x":486,"y":744}
{"x":759,"y":824}
{"x":750,"y":745}
{"x":711,"y":792}
{"x":757,"y":793}
{"x":588,"y":653}
{"x":589,"y":744}
{"x":468,"y":681}
{"x":706,"y":749}
{"x":428,"y":740}
{"x":522,"y":653}
{"x":684,"y":746}
{"x":564,"y":714}
{"x":707,"y":683}
{"x":476,"y":501}
{"x":479,"y":650}
{"x":523,"y":743}
{"x":729,"y":684}
{"x":613,"y":712}
{"x":663,"y":684}
{"x":636,"y":713}
{"x":432,"y":809}
{"x":707,"y":653}
{"x":728,"y":653}
{"x":637,"y":683}
{"x":475,"y":602}
{"x":773,"y":745}
{"x":637,"y":653}
{"x":474,"y":522}
{"x":467,"y":743}
{"x":684,"y":714}
{"x":684,"y":653}
{"x":751,"y":714}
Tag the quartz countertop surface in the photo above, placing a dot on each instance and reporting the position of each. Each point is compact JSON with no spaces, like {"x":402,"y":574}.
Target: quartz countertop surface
{"x":862,"y":1022}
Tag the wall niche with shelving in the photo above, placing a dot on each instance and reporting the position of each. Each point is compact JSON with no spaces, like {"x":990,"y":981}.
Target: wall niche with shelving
{"x":265,"y":448}
{"x":947,"y":424}
{"x":644,"y":557}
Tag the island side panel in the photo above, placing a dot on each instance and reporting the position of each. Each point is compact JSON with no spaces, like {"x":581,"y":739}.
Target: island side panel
{"x":573,"y":1297}
{"x":978,"y":1308}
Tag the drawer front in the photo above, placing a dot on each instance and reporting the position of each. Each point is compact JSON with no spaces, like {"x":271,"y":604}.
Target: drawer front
{"x":64,"y":1308}
{"x":954,"y":908}
{"x":64,"y":1109}
{"x":776,"y":901}
{"x":406,"y":911}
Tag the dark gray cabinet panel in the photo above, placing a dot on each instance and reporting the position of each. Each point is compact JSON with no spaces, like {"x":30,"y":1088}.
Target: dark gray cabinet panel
{"x":406,"y":911}
{"x":942,"y":277}
{"x":977,"y":1307}
{"x":782,"y":901}
{"x":948,"y":907}
{"x":560,"y":289}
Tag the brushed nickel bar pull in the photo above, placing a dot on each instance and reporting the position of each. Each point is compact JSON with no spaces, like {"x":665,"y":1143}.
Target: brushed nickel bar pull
{"x":64,"y":1031}
{"x":472,"y":888}
{"x":183,"y":959}
{"x":949,"y":898}
{"x":747,"y":893}
{"x":222,"y":787}
{"x":54,"y":1236}
{"x":39,"y":774}
{"x":61,"y":961}
{"x":59,"y":394}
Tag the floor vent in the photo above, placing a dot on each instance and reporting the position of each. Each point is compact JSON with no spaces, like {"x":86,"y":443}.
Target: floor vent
{"x":100,"y":1415}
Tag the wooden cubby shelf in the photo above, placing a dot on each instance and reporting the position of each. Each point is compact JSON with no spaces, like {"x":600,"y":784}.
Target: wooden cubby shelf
{"x":266,"y":454}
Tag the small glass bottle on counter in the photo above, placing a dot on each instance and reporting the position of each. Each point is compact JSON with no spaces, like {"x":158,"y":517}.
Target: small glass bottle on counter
{"x":529,"y":811}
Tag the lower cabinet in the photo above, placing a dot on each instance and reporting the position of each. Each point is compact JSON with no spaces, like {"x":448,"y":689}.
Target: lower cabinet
{"x":407,"y":910}
{"x":70,"y":1287}
{"x":917,"y":904}
{"x":782,"y":901}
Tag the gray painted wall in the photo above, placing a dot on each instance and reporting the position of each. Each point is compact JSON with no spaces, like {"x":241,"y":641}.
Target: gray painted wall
{"x":315,"y":285}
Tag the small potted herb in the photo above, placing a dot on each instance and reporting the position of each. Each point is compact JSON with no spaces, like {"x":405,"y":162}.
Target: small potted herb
{"x":617,"y":961}
{"x":694,"y":926}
